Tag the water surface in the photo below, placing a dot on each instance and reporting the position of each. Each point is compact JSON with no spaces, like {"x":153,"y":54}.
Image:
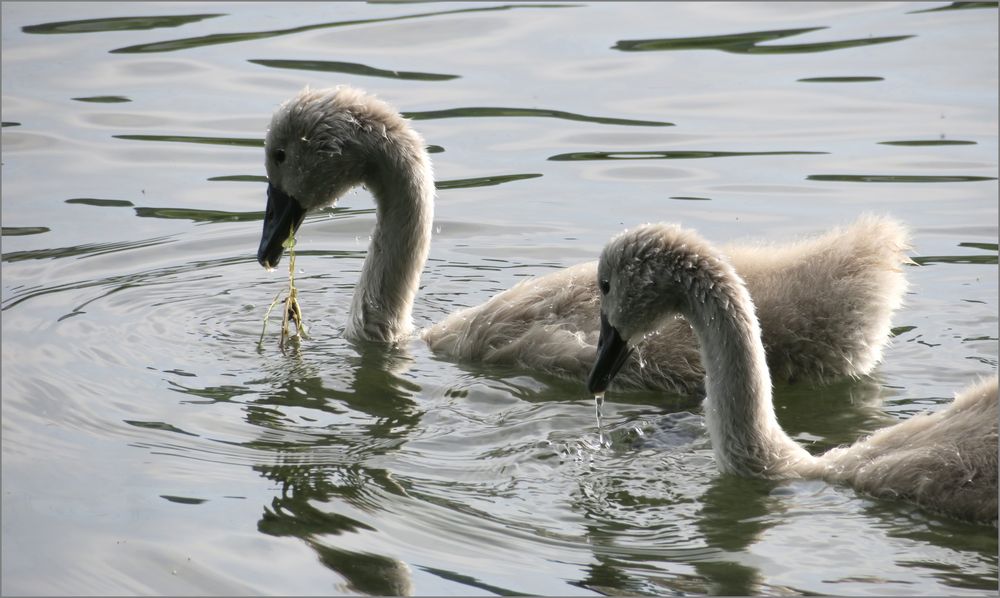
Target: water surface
{"x":150,"y":447}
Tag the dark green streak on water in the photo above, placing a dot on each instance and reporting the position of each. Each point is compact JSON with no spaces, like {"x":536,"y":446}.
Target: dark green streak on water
{"x":8,"y":123}
{"x":956,"y":6}
{"x":986,"y":246}
{"x":748,"y":43}
{"x":19,"y":231}
{"x":472,"y":582}
{"x":891,"y":178}
{"x":112,"y":284}
{"x":81,"y":251}
{"x":213,"y":394}
{"x":925,"y":260}
{"x":898,"y":330}
{"x":231,"y":141}
{"x":117,"y":24}
{"x":198,"y":215}
{"x":235,"y":141}
{"x":351,"y":68}
{"x":738,"y":42}
{"x":529,"y":112}
{"x":923,"y":142}
{"x":366,"y":573}
{"x":665,"y":155}
{"x":687,"y":198}
{"x":104,"y":99}
{"x":157,"y":426}
{"x":485,"y":181}
{"x":840,"y":79}
{"x":241,"y":178}
{"x":103,"y":203}
{"x":226,"y":38}
{"x":183,"y":499}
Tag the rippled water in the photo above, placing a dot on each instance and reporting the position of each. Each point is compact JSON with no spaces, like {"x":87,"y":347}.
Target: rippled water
{"x":150,"y":447}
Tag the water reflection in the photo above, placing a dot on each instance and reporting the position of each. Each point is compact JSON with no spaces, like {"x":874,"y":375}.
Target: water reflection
{"x":117,"y":24}
{"x":925,"y":260}
{"x":351,"y":68}
{"x":101,"y":203}
{"x":956,"y":6}
{"x":311,"y":445}
{"x":227,"y":38}
{"x":472,"y":582}
{"x":749,"y":43}
{"x":89,"y":249}
{"x":944,"y":535}
{"x":196,"y":215}
{"x":735,"y":513}
{"x":17,"y":231}
{"x":484,"y":181}
{"x":898,"y":178}
{"x":834,"y":414}
{"x":468,"y":183}
{"x":297,"y":512}
{"x":731,"y":514}
{"x":103,"y":99}
{"x":232,"y":141}
{"x":321,"y":467}
{"x":858,"y":79}
{"x":665,"y":155}
{"x":927,"y":142}
{"x":481,"y":112}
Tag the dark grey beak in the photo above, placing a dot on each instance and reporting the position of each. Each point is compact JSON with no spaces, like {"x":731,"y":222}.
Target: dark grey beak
{"x":283,"y":217}
{"x":612,"y":352}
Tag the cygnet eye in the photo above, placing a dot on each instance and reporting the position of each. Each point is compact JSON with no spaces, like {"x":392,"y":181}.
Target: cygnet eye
{"x":605,"y":287}
{"x":279,"y":155}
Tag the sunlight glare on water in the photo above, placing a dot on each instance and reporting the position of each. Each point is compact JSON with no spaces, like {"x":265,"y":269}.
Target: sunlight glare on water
{"x":150,"y":447}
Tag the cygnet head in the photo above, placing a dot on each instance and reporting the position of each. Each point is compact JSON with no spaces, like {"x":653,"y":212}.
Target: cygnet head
{"x":647,"y":275}
{"x":320,"y":144}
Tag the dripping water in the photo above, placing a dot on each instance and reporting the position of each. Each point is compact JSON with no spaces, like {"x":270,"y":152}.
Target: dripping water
{"x":602,"y":440}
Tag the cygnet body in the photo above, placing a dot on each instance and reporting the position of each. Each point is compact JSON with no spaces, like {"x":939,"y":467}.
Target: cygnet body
{"x":944,"y":461}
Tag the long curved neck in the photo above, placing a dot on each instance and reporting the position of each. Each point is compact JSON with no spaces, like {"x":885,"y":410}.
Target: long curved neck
{"x":739,"y":413}
{"x":402,"y":183}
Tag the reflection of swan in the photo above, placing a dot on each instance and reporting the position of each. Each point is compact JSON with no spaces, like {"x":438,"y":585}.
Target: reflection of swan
{"x":946,"y":461}
{"x":819,"y":322}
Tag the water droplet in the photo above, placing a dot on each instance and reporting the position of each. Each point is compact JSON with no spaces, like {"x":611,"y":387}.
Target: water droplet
{"x":602,"y":440}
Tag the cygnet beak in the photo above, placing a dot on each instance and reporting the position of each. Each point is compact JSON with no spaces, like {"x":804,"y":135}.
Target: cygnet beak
{"x":283,"y":217}
{"x":612,"y":351}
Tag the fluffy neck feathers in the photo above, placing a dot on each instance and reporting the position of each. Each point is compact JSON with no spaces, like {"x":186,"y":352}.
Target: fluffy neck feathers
{"x":746,"y":436}
{"x":402,"y":182}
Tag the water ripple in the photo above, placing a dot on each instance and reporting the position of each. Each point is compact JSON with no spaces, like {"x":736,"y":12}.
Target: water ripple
{"x":897,"y":178}
{"x":117,"y":24}
{"x":854,"y":79}
{"x":481,"y":112}
{"x":468,"y":183}
{"x":749,"y":43}
{"x":238,"y":142}
{"x":667,"y":155}
{"x":956,"y":6}
{"x":103,"y":99}
{"x":351,"y":68}
{"x":228,"y":38}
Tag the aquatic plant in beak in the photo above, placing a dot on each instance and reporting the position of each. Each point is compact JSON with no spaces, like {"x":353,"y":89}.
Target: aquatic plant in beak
{"x":292,"y":311}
